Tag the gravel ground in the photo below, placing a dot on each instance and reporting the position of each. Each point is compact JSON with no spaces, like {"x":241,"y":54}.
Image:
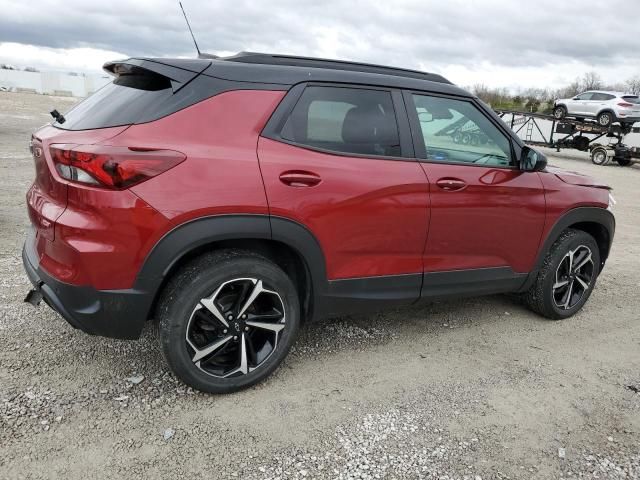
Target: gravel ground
{"x":468,"y":389}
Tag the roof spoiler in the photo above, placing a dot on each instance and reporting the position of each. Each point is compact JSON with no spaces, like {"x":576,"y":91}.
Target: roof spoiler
{"x":178,"y":71}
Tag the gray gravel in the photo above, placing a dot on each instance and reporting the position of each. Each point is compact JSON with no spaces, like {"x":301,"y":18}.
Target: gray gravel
{"x":468,"y":389}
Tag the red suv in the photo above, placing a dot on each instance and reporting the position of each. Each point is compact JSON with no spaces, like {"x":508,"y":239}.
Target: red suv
{"x":229,"y":200}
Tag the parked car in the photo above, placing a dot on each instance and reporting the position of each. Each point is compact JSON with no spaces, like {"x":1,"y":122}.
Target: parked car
{"x":605,"y":107}
{"x":227,"y":201}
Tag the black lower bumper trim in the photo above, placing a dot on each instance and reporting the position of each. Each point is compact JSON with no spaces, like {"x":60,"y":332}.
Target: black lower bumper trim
{"x":108,"y":313}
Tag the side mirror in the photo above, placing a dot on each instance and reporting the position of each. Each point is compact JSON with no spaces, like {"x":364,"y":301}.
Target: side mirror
{"x":532,"y":160}
{"x":575,"y":98}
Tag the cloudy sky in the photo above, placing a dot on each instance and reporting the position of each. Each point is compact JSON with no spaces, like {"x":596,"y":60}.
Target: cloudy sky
{"x":495,"y":42}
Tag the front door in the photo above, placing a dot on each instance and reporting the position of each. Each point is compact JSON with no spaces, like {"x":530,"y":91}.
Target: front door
{"x":487,"y":216}
{"x":338,"y":168}
{"x":582,"y":104}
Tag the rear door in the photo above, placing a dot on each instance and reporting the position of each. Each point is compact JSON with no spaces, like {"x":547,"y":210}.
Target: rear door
{"x":599,"y":101}
{"x":487,"y":215}
{"x":339,"y":160}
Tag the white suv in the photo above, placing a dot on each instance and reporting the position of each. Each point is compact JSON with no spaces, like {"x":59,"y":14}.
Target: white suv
{"x":605,"y":107}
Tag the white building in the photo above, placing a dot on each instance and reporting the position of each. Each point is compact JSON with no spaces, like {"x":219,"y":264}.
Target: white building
{"x":52,"y":83}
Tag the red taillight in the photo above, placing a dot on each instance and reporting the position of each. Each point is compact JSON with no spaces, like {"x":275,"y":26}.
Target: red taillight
{"x":625,"y":104}
{"x":111,"y":167}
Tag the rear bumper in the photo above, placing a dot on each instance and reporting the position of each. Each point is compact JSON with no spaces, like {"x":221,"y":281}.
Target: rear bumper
{"x":108,"y":313}
{"x":626,"y":119}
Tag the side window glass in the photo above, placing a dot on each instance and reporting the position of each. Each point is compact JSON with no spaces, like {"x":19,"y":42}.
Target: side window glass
{"x":585,"y":96}
{"x":456,"y":131}
{"x":345,"y":120}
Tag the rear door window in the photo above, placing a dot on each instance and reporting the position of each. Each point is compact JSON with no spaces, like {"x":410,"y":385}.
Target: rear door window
{"x":602,"y":96}
{"x":346,"y":120}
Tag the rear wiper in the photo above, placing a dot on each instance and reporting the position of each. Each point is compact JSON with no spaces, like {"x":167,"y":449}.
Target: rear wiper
{"x":58,"y":116}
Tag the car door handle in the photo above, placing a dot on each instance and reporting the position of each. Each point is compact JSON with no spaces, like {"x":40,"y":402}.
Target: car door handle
{"x":297,"y":178}
{"x":451,"y":184}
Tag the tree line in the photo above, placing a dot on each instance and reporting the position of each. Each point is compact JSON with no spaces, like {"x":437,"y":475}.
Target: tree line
{"x":541,"y":99}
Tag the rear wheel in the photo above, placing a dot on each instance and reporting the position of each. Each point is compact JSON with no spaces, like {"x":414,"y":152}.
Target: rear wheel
{"x":567,"y":276}
{"x":605,"y":119}
{"x":560,"y":112}
{"x":227,"y":320}
{"x":599,"y":156}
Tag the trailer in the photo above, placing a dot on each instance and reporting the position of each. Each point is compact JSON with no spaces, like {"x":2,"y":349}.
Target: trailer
{"x":579,"y":134}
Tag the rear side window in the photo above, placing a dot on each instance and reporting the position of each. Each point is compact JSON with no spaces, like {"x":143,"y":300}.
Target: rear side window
{"x":345,"y":120}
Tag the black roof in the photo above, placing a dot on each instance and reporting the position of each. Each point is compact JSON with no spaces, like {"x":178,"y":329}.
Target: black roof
{"x":291,"y":61}
{"x":285,"y":71}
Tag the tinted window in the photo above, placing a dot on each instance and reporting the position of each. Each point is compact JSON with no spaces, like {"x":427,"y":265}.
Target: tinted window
{"x":584,"y":96}
{"x":347,"y":120}
{"x":602,"y":96}
{"x":132,"y":99}
{"x":632,"y":99}
{"x":456,"y":131}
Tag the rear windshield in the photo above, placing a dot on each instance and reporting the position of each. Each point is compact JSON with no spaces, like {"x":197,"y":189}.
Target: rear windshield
{"x":124,"y":101}
{"x":632,"y":99}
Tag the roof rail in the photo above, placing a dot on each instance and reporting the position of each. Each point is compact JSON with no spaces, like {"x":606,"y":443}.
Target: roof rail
{"x":293,"y":61}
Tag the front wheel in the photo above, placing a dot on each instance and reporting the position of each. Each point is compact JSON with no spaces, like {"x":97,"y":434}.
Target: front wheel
{"x":227,"y":320}
{"x":567,"y":277}
{"x":560,"y":112}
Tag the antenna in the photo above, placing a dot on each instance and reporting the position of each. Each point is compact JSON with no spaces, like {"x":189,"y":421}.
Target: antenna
{"x":191,"y":31}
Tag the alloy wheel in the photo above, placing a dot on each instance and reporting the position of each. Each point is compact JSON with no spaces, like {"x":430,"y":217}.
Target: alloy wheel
{"x":604,"y":119}
{"x":573,"y":277}
{"x":236,"y":329}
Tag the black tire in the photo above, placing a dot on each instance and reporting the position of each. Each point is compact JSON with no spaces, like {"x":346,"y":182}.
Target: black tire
{"x":599,"y":156}
{"x":581,"y":143}
{"x":182,"y":300}
{"x":560,"y":112}
{"x":542,"y":297}
{"x":604,"y":119}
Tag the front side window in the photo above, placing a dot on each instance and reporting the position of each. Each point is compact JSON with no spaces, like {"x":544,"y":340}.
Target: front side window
{"x":345,"y":120}
{"x":584,"y":96}
{"x":456,"y":131}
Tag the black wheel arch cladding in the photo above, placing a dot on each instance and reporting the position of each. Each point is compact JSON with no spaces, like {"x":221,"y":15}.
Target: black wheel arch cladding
{"x":180,"y":242}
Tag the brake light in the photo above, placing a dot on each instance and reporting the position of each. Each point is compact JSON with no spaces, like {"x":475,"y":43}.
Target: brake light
{"x":110,"y":167}
{"x":625,"y":104}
